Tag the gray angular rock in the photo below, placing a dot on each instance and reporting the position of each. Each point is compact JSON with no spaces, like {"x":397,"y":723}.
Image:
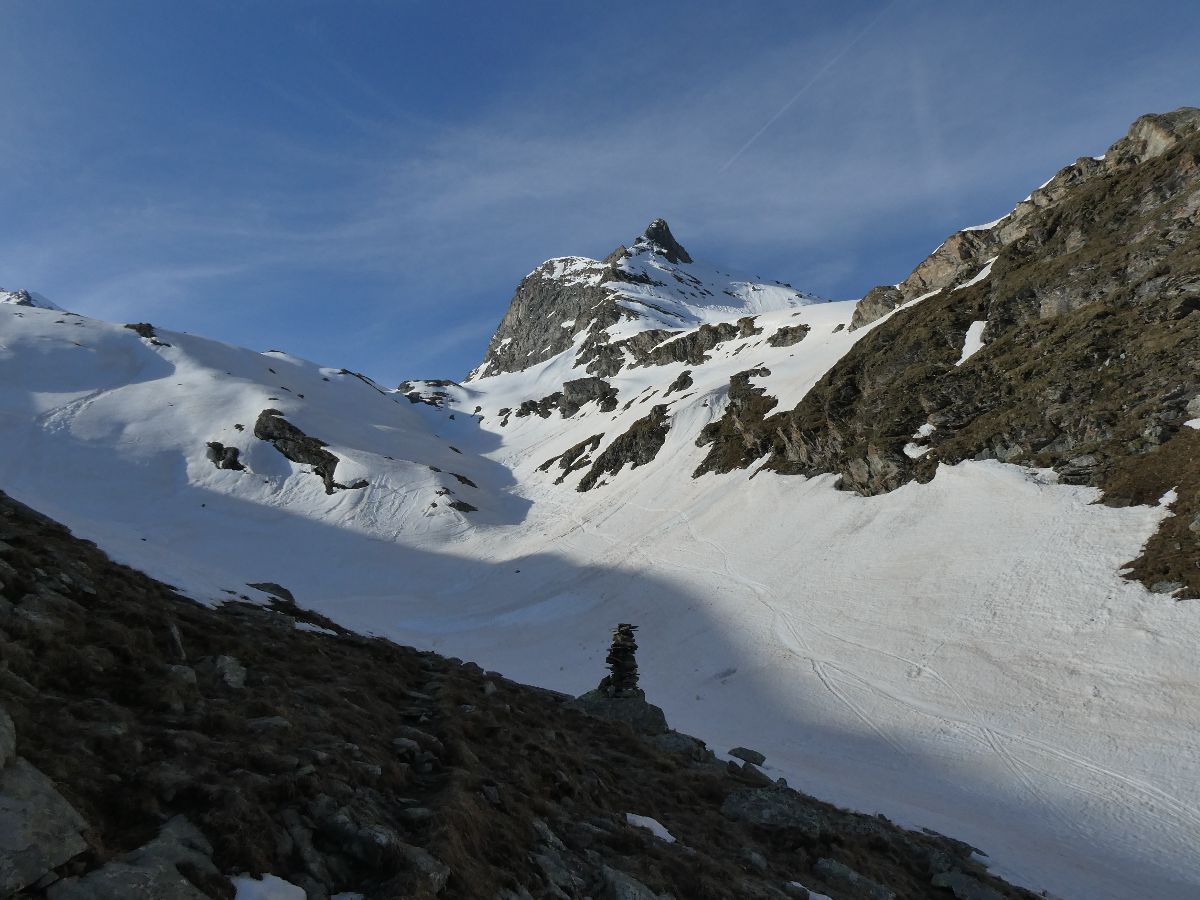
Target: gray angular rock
{"x":876,"y":303}
{"x":39,"y":829}
{"x":432,"y":870}
{"x":226,"y":670}
{"x":773,"y":807}
{"x":834,"y":871}
{"x":747,"y":755}
{"x":641,"y":716}
{"x":619,"y":886}
{"x":149,"y":873}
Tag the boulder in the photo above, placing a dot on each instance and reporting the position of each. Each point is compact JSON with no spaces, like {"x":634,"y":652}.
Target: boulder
{"x":619,"y":886}
{"x":641,"y":716}
{"x":838,"y":873}
{"x":746,"y":755}
{"x":39,"y":829}
{"x":773,"y":807}
{"x":151,"y":872}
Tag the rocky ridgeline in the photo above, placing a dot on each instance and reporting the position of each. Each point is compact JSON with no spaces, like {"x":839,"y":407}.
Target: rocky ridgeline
{"x":1090,"y":320}
{"x":965,"y":252}
{"x":150,"y":748}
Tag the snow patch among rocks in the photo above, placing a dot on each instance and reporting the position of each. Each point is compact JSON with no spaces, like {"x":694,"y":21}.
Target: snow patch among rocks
{"x":652,"y":825}
{"x":973,"y":342}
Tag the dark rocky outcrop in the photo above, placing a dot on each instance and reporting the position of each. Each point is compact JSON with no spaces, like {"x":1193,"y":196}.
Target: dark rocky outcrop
{"x":584,"y":390}
{"x":788,"y":335}
{"x":574,"y":458}
{"x":661,"y":348}
{"x":146,"y":330}
{"x":429,"y":391}
{"x":301,"y":448}
{"x":682,"y":382}
{"x":224,"y":457}
{"x":571,"y":398}
{"x":347,"y":763}
{"x":739,"y":437}
{"x":637,"y":446}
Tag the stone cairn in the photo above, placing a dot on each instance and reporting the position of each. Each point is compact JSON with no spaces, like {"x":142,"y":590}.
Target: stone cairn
{"x":623,"y":678}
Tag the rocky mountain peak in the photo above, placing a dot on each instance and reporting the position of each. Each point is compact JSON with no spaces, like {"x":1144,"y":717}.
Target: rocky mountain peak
{"x":657,"y":238}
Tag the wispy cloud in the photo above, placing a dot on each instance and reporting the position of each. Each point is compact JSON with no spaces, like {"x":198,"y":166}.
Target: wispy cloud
{"x":387,"y":236}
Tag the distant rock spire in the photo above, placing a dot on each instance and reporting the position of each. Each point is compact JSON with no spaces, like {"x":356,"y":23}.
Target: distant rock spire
{"x":658,"y":236}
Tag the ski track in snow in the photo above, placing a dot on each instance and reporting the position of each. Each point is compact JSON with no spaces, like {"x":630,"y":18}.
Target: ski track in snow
{"x":960,"y":655}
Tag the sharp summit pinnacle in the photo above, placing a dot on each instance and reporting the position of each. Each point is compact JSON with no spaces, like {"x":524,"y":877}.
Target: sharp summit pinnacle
{"x":658,"y":236}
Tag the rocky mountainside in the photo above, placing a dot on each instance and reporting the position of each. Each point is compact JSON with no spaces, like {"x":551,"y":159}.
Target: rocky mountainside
{"x":1075,"y":352}
{"x":154,"y":748}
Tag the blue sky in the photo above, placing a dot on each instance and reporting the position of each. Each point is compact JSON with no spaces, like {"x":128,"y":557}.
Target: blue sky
{"x":365,"y":183}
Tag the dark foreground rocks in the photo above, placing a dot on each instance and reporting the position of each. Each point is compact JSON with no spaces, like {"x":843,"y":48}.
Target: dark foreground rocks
{"x":151,"y":747}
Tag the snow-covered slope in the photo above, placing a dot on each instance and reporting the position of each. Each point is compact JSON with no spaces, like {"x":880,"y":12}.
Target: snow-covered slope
{"x":961,"y":655}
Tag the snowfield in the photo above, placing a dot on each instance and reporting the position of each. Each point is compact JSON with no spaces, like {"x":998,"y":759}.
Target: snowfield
{"x":962,"y":655}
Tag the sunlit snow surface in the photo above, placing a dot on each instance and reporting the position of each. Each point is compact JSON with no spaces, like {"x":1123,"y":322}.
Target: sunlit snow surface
{"x":960,"y":655}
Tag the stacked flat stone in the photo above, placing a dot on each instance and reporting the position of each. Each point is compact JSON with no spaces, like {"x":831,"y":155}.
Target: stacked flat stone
{"x":622,"y":664}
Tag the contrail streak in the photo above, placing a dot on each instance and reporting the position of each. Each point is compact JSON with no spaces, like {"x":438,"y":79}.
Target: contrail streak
{"x":800,"y":93}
